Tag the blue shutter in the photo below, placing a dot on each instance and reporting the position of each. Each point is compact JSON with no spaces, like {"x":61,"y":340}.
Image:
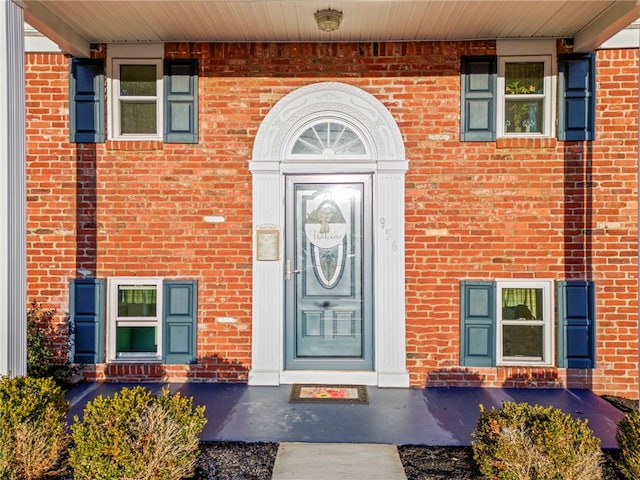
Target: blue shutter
{"x":181,"y":101}
{"x":86,"y":311}
{"x":478,"y":99}
{"x":179,"y":321}
{"x":478,"y":323}
{"x":577,"y":95}
{"x":86,"y":102}
{"x":576,"y":324}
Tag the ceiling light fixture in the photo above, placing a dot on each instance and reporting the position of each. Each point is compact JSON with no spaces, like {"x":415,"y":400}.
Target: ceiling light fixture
{"x":328,"y":20}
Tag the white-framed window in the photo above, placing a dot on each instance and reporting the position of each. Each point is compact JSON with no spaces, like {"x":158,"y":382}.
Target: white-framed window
{"x":525,"y":96}
{"x":136,"y":93}
{"x":524,"y":322}
{"x":134,"y":313}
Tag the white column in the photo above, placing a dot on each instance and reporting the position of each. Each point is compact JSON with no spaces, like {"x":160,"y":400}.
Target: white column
{"x":390,"y":287}
{"x":267,"y":328}
{"x":13,"y":225}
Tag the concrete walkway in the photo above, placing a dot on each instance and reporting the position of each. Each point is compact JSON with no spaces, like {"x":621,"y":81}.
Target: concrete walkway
{"x":337,"y":461}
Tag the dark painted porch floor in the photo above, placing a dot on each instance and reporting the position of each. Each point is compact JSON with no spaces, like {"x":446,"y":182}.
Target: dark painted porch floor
{"x":432,"y":416}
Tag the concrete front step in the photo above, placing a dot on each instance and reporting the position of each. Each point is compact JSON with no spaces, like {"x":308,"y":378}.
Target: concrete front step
{"x":337,"y":461}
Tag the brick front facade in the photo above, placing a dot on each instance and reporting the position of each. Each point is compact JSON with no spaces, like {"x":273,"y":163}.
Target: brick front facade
{"x":515,"y":208}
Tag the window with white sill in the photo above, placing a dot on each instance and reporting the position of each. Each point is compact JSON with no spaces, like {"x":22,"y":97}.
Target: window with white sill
{"x":524,"y":96}
{"x":134,"y":313}
{"x":136,"y":92}
{"x":524,"y":319}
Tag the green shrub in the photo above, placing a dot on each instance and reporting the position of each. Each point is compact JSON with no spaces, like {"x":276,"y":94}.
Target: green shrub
{"x":137,"y":435}
{"x":33,"y":433}
{"x":41,"y":357}
{"x":524,"y":442}
{"x":39,"y":347}
{"x":628,"y":437}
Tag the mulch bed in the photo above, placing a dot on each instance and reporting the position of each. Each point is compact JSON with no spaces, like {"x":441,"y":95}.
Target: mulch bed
{"x":254,"y":461}
{"x":422,"y":463}
{"x":235,"y":461}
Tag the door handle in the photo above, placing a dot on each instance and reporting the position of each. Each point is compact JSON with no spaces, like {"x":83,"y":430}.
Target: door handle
{"x":288,"y":271}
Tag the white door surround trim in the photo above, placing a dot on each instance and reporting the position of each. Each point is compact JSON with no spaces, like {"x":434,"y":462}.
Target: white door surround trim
{"x":272,"y":159}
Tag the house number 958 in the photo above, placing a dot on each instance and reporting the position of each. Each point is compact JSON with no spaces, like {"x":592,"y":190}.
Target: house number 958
{"x":387,"y":233}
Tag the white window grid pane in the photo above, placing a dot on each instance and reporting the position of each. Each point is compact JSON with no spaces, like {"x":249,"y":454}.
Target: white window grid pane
{"x":138,"y":85}
{"x":546,"y":322}
{"x":114,"y":285}
{"x":528,"y":125}
{"x":139,"y":352}
{"x":139,"y":116}
{"x":143,"y":297}
{"x":117,"y":100}
{"x":529,"y":343}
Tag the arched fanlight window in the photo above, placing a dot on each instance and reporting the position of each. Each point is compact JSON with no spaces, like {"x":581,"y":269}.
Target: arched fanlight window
{"x":329,"y":139}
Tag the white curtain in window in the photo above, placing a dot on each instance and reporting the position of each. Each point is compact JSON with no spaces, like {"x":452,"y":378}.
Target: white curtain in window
{"x":517,"y":297}
{"x":139,"y":294}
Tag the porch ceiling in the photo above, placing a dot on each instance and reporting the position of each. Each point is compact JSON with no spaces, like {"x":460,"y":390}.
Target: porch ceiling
{"x":74,"y":24}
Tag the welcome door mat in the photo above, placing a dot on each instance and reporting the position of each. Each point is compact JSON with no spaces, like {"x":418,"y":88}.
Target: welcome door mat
{"x":329,"y":393}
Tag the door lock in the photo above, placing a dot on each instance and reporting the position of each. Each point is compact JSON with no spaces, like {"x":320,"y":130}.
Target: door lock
{"x":288,"y":271}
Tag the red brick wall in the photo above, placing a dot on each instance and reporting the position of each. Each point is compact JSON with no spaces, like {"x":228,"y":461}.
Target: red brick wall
{"x":507,"y":209}
{"x":51,"y":188}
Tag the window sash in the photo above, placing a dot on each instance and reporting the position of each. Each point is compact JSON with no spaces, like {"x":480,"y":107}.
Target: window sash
{"x":505,"y":357}
{"x":137,"y":339}
{"x":528,"y":346}
{"x":515,"y":117}
{"x":146,"y":127}
{"x":140,"y":290}
{"x":142,"y":299}
{"x":138,"y":117}
{"x":137,"y":80}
